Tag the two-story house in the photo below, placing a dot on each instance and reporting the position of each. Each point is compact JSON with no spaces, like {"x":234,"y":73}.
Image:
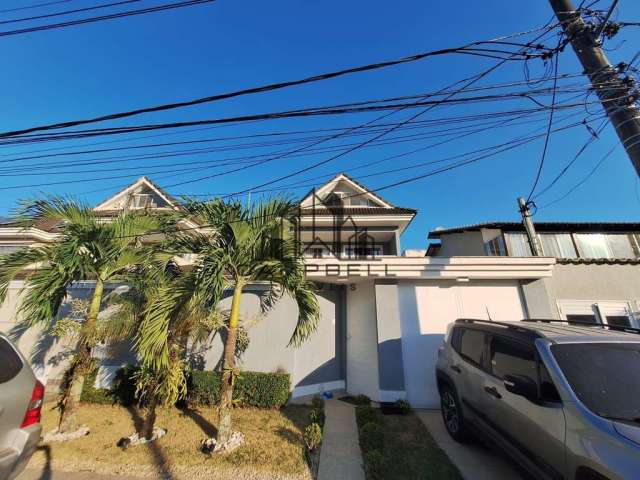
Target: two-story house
{"x":597,"y":273}
{"x":383,"y":313}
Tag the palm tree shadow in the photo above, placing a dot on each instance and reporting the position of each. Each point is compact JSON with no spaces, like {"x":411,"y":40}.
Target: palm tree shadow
{"x":160,"y":459}
{"x":47,"y":472}
{"x":205,"y":425}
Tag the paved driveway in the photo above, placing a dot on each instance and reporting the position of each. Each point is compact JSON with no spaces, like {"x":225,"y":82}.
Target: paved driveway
{"x":475,"y":462}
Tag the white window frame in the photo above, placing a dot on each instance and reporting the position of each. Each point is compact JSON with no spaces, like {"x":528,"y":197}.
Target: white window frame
{"x":599,"y":308}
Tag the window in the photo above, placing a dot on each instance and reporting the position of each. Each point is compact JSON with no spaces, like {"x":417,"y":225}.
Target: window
{"x":548,"y":391}
{"x":615,"y":313}
{"x":558,"y":245}
{"x":472,"y":345}
{"x":455,"y":339}
{"x":620,"y":246}
{"x":495,"y":247}
{"x":593,"y":245}
{"x":604,"y":376}
{"x":518,"y":244}
{"x":578,"y":319}
{"x":509,"y":357}
{"x":363,"y":251}
{"x":10,"y":361}
{"x":141,"y":200}
{"x":316,"y":252}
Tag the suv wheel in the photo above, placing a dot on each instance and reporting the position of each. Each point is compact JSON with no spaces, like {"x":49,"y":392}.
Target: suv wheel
{"x":452,"y":414}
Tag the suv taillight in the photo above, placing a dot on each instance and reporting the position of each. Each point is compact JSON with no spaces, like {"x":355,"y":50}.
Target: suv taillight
{"x":35,"y":406}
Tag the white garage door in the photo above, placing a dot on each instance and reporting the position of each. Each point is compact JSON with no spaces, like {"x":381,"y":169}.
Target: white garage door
{"x":426,"y":309}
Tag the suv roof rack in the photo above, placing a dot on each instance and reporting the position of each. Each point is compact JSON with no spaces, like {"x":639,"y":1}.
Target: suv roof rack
{"x":604,"y":326}
{"x":515,"y":326}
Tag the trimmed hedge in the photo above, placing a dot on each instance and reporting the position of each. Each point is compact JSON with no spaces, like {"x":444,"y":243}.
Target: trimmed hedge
{"x":265,"y":390}
{"x":122,"y":392}
{"x":256,"y":389}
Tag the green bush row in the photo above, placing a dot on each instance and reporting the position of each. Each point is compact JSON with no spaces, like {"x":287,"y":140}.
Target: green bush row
{"x":265,"y":390}
{"x":256,"y":389}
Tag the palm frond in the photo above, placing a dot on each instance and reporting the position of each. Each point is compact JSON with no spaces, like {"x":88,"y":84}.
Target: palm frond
{"x":12,"y":264}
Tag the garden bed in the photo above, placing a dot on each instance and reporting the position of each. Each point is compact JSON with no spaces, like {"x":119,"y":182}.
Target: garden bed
{"x":274,"y":448}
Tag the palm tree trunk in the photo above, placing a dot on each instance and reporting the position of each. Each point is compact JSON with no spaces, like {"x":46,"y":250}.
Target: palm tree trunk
{"x":150,"y":417}
{"x":226,"y":394}
{"x":68,"y":413}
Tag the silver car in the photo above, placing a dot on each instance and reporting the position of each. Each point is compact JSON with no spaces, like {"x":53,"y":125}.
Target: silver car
{"x":563,"y":400}
{"x":21,"y":397}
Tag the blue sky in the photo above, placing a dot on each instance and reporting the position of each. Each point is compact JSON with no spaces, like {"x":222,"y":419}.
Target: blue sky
{"x":228,"y":45}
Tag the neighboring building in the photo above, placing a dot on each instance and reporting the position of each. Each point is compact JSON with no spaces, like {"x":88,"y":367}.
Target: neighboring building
{"x":383,"y":314}
{"x":597,"y":276}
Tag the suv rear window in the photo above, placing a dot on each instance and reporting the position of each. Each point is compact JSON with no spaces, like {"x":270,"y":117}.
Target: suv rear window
{"x":472,"y":345}
{"x":10,"y":361}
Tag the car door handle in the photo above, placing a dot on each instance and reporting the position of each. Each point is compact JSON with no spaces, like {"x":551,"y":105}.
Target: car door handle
{"x":493,"y":392}
{"x":456,"y":368}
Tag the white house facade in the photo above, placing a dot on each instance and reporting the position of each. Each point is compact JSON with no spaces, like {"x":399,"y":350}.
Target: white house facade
{"x":383,"y":314}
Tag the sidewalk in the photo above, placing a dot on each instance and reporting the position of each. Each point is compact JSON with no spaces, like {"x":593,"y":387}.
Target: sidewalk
{"x":475,"y":462}
{"x":340,"y":458}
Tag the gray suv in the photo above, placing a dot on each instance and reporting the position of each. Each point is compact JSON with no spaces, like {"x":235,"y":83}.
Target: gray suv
{"x":563,"y":400}
{"x":21,"y":397}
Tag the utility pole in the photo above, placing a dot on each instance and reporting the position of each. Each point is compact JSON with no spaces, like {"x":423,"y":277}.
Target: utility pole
{"x":617,"y":93}
{"x":536,"y":251}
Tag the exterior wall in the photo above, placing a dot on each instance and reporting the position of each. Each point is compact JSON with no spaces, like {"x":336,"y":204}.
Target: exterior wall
{"x":362,"y":340}
{"x":582,"y":282}
{"x":47,"y":355}
{"x":316,"y":366}
{"x":469,"y":244}
{"x":426,"y":310}
{"x":390,"y":361}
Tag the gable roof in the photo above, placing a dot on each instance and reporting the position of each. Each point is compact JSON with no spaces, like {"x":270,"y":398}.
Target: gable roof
{"x":325,"y":189}
{"x":560,"y":227}
{"x":110,"y":205}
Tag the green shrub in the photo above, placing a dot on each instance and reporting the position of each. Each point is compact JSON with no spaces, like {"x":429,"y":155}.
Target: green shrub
{"x":362,"y":400}
{"x":266,"y":390}
{"x":317,"y":416}
{"x":122,"y":392}
{"x":371,"y":436}
{"x":312,"y":436}
{"x":365,"y":414}
{"x":373,"y":465}
{"x":403,"y":406}
{"x":317,"y":402}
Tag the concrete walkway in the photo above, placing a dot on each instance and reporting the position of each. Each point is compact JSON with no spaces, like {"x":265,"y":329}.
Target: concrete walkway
{"x":475,"y":462}
{"x":340,"y":458}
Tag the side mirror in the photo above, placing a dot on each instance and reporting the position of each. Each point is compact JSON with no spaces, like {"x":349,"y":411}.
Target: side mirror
{"x":521,"y":385}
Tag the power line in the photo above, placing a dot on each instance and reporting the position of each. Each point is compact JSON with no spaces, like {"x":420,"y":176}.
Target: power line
{"x":128,"y":13}
{"x":37,"y":5}
{"x":260,"y":89}
{"x":547,"y":138}
{"x":68,"y":12}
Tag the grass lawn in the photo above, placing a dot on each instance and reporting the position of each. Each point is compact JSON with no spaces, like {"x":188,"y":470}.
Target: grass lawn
{"x":274,"y":447}
{"x":407,"y":451}
{"x":411,"y":453}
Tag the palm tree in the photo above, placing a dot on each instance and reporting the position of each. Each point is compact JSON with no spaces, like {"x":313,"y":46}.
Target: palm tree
{"x":88,"y":248}
{"x":160,"y":380}
{"x":239,"y":245}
